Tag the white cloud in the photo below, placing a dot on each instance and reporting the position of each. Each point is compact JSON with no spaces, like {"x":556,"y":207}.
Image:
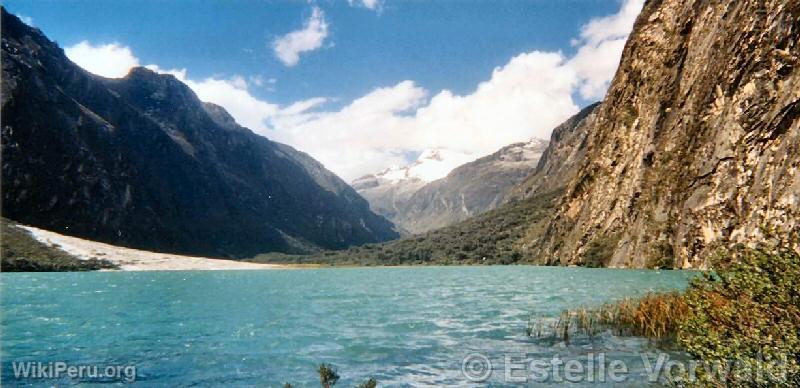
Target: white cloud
{"x":26,"y":19}
{"x":108,"y":60}
{"x":289,"y":47}
{"x":115,"y":61}
{"x":524,"y":98}
{"x":527,"y":97}
{"x":248,"y":110}
{"x":369,"y":4}
{"x":601,"y":44}
{"x":614,"y":26}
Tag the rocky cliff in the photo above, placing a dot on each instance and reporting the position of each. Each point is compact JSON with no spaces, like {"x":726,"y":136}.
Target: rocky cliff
{"x":695,"y":147}
{"x":697,"y":144}
{"x":140,"y":161}
{"x":561,"y":158}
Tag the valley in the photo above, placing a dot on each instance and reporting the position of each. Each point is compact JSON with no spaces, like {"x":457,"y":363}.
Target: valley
{"x":628,"y":189}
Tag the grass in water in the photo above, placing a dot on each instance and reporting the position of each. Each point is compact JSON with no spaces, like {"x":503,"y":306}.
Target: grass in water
{"x":745,"y":317}
{"x":655,"y":315}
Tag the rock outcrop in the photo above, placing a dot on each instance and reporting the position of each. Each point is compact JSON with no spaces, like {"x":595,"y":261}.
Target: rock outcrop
{"x":697,"y":144}
{"x":559,"y":163}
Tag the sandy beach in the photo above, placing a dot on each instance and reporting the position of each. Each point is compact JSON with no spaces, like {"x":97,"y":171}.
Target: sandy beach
{"x":129,"y":259}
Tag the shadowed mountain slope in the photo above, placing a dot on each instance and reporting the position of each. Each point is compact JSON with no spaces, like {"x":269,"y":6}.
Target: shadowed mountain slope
{"x":141,"y":162}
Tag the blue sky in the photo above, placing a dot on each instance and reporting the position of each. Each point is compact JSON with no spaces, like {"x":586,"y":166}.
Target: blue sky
{"x":356,"y":72}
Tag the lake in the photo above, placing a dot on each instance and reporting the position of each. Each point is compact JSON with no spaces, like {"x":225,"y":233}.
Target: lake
{"x":403,"y":326}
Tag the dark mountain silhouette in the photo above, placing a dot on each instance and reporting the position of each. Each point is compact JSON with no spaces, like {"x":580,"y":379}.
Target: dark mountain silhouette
{"x":140,"y":161}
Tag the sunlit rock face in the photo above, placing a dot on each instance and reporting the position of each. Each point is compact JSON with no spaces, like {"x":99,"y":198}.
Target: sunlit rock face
{"x":141,"y":161}
{"x":697,"y":144}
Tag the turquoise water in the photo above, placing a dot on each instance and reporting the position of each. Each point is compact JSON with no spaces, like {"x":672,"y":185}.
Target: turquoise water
{"x":403,"y":326}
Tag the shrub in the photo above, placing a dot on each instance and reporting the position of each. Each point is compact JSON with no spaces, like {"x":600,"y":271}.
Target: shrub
{"x":599,"y":251}
{"x":662,"y":256}
{"x":748,"y":314}
{"x":743,"y":322}
{"x":327,"y":375}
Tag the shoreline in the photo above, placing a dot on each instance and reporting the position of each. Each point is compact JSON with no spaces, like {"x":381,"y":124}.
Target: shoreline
{"x":130,"y":259}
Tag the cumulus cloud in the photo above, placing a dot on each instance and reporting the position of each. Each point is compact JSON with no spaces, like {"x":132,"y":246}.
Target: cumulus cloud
{"x":115,"y":61}
{"x":600,"y":48}
{"x":526,"y":97}
{"x":289,"y":47}
{"x":108,"y":60}
{"x":614,"y":26}
{"x":233,"y":95}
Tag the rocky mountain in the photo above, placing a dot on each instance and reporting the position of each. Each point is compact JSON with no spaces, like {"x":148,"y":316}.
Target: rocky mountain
{"x":560,"y":160}
{"x":140,"y":161}
{"x":498,"y":236}
{"x":470,"y":189}
{"x":417,"y":205}
{"x":695,"y":147}
{"x":389,"y":190}
{"x":697,"y":144}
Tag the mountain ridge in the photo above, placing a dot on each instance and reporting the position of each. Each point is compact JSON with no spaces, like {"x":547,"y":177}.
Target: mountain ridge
{"x":695,"y":148}
{"x":498,"y":236}
{"x":140,"y":161}
{"x":470,"y":189}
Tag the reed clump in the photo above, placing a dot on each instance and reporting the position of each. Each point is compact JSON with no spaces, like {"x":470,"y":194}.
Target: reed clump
{"x":655,"y":315}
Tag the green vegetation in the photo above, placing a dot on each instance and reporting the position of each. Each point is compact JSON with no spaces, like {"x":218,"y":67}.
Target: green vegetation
{"x":749,"y":313}
{"x":746,"y":317}
{"x":599,"y":251}
{"x":22,"y":253}
{"x":327,"y":375}
{"x":495,"y":237}
{"x":662,"y":256}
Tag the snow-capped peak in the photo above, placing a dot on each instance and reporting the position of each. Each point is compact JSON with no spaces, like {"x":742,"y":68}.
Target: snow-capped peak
{"x":432,"y":164}
{"x":436,"y":163}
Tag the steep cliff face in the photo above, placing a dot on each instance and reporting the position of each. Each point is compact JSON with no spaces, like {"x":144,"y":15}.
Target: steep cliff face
{"x":697,"y":143}
{"x":140,"y":161}
{"x":560,"y":160}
